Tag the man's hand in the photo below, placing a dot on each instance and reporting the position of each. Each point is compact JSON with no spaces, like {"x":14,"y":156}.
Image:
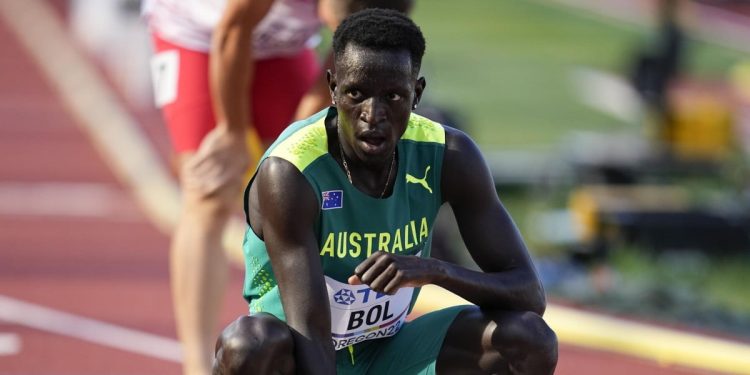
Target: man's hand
{"x":219,"y":164}
{"x":387,"y":273}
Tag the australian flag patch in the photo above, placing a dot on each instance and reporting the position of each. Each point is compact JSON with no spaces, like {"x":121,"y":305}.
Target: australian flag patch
{"x":333,"y":199}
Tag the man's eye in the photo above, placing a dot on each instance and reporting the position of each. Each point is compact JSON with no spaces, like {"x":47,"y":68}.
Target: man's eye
{"x":354,"y":94}
{"x":394,"y":97}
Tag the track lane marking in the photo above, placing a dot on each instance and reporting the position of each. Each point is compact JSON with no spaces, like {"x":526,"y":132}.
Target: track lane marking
{"x":66,"y":199}
{"x":10,"y":344}
{"x":58,"y":322}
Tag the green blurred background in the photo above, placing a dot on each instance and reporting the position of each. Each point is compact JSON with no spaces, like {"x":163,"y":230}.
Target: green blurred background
{"x":506,"y":66}
{"x":506,"y":69}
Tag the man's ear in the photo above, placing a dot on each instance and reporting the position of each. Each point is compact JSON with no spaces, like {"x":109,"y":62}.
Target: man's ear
{"x":331,"y":85}
{"x":418,"y":90}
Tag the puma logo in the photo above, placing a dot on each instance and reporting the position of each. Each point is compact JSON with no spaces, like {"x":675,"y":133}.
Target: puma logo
{"x":422,"y":181}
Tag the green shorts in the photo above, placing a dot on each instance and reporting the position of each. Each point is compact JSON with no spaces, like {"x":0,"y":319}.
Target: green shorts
{"x":412,"y":351}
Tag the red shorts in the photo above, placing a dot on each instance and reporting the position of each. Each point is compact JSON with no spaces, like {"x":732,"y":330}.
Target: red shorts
{"x":278,"y":87}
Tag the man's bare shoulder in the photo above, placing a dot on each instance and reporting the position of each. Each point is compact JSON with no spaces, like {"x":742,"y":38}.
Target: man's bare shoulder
{"x":465,"y":171}
{"x":280,"y":194}
{"x":279,"y":178}
{"x":460,"y":147}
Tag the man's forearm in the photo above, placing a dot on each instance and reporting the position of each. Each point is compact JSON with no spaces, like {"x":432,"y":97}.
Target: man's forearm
{"x":318,"y":97}
{"x":231,"y":74}
{"x":515,"y":289}
{"x":314,"y":356}
{"x":309,"y":320}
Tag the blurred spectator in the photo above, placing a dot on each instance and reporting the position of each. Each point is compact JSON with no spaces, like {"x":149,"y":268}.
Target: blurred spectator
{"x":657,"y":64}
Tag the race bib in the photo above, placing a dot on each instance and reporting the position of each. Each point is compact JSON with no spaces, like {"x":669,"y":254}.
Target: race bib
{"x":359,"y":313}
{"x":165,"y":69}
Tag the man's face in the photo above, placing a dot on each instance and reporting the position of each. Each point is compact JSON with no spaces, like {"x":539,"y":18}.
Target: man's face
{"x":374,"y":92}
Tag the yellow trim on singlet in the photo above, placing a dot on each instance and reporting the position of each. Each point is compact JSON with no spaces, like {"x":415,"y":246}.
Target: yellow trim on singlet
{"x":351,"y":353}
{"x":309,"y":143}
{"x":422,"y":129}
{"x":304,"y":146}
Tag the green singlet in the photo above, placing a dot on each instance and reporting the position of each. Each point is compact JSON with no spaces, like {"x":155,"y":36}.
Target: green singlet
{"x":351,"y":226}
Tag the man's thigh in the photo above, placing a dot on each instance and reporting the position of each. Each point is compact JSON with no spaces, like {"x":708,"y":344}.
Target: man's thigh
{"x":181,"y":89}
{"x":278,"y":87}
{"x":415,"y":348}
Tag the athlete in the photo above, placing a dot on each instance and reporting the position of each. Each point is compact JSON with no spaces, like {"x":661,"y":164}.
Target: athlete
{"x":340,"y":214}
{"x":226,"y":71}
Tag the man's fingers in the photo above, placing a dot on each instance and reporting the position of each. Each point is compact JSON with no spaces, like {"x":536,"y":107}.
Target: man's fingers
{"x":375,"y":270}
{"x":384,"y":278}
{"x":209,"y":177}
{"x":203,"y":182}
{"x":394,"y":285}
{"x":195,"y":169}
{"x":199,"y":164}
{"x":211,"y":186}
{"x":365,"y":265}
{"x":207,"y":168}
{"x":387,"y":273}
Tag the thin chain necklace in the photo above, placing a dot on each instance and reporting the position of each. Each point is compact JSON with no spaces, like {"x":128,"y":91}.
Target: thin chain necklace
{"x":349,"y":174}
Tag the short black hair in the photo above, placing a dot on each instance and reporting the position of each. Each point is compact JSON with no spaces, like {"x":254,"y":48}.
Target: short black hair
{"x":353,"y":6}
{"x":381,"y":29}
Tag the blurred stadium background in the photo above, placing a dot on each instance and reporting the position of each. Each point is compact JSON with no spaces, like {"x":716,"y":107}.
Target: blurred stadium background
{"x":618,"y":133}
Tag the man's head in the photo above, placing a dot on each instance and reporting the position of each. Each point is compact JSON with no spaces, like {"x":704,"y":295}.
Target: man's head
{"x":377,"y":56}
{"x":380,"y":29}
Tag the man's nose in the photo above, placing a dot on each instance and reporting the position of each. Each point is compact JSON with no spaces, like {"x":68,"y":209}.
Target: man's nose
{"x":373,"y":111}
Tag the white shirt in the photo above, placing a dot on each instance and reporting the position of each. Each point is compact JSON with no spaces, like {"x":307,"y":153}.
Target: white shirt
{"x":288,"y":28}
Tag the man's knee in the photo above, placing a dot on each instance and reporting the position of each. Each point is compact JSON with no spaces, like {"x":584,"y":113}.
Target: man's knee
{"x":254,"y":344}
{"x":535,"y":331}
{"x":530,"y":334}
{"x":260,"y":333}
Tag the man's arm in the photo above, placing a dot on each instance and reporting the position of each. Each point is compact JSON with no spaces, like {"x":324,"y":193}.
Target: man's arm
{"x":319,"y":96}
{"x":222,"y":156}
{"x":289,"y":208}
{"x":508,"y":280}
{"x":231,"y":60}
